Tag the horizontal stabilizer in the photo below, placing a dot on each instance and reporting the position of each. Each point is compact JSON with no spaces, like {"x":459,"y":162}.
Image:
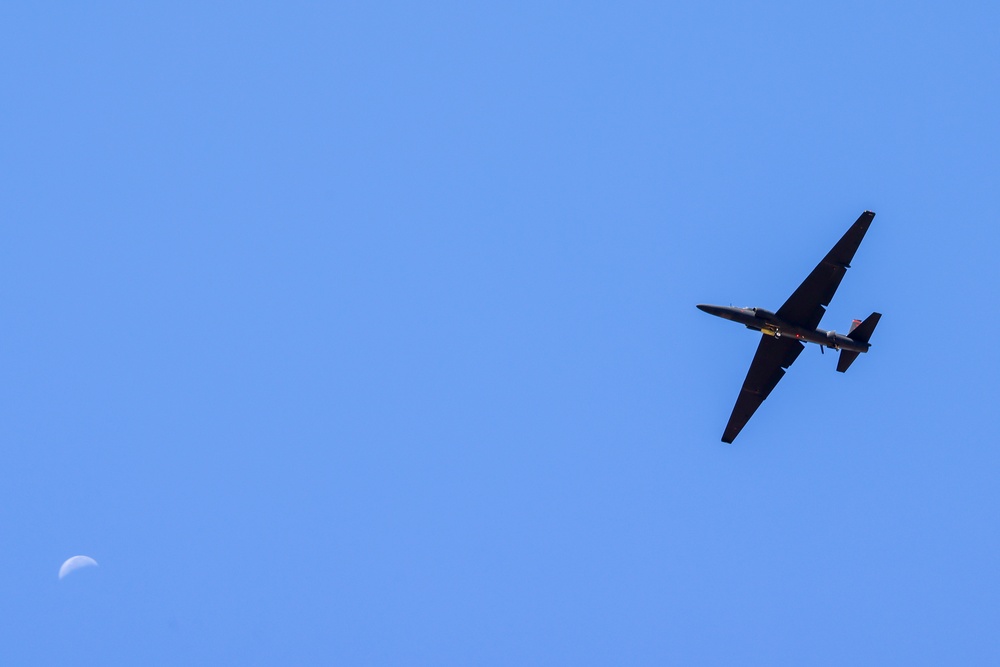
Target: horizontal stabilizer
{"x":860,"y":333}
{"x":847,"y":358}
{"x":863,"y":331}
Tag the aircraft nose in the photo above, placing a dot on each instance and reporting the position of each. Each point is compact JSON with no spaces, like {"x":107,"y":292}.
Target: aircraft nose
{"x":718,"y":311}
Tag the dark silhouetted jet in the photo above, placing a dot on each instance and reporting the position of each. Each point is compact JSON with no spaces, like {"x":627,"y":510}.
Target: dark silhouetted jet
{"x":796,"y":322}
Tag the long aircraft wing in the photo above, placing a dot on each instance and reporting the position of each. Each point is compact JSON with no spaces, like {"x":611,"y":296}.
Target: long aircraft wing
{"x":805,"y":307}
{"x":772,"y":357}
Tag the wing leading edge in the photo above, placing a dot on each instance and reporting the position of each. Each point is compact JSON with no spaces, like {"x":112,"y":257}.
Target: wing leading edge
{"x":773,"y":356}
{"x":805,"y":307}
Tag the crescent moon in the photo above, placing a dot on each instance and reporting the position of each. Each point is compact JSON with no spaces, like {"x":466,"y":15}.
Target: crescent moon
{"x":75,"y":563}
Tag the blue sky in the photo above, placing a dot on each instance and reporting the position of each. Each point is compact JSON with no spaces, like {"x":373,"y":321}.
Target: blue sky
{"x":356,"y":333}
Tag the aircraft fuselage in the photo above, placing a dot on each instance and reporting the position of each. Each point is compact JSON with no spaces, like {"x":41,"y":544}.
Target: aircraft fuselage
{"x":770,"y":324}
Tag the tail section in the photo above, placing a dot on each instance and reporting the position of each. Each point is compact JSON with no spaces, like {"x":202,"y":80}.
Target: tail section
{"x":863,"y":331}
{"x":847,"y":358}
{"x":860,"y":332}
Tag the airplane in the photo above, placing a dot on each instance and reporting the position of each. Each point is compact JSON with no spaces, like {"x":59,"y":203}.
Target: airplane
{"x":785,"y":330}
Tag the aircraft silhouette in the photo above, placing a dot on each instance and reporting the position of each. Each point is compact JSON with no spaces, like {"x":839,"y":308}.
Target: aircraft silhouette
{"x":796,"y":322}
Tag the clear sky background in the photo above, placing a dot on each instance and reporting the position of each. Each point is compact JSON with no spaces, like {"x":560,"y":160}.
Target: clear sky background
{"x":365,"y":334}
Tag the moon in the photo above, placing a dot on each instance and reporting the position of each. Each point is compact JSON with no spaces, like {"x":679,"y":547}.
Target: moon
{"x":75,"y":563}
